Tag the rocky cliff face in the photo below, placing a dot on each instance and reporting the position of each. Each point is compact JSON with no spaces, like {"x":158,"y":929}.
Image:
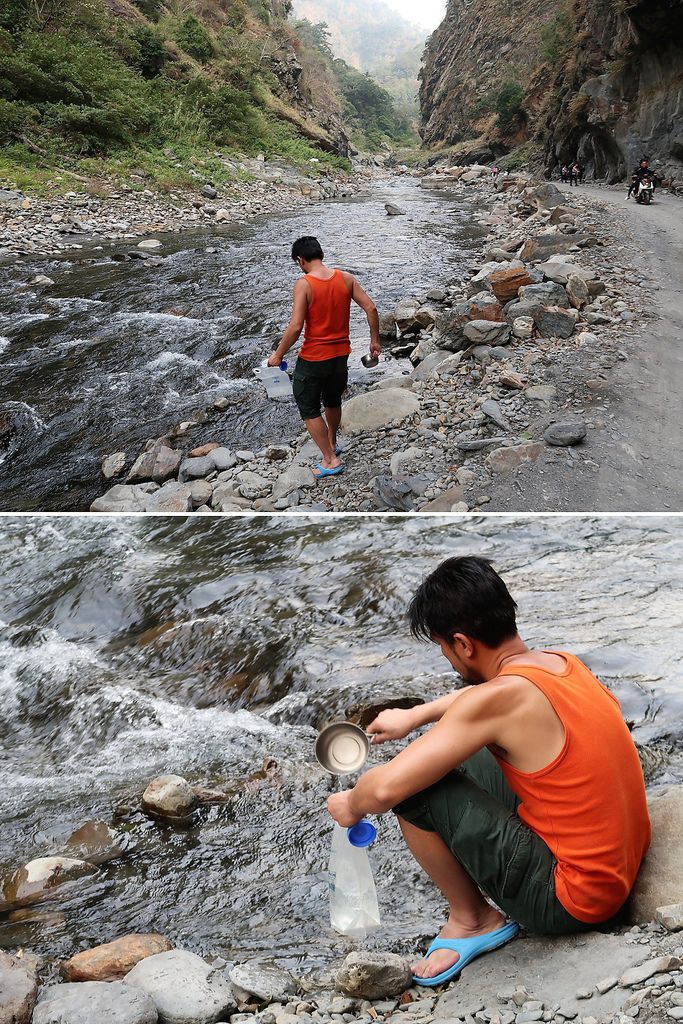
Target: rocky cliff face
{"x":602,"y":80}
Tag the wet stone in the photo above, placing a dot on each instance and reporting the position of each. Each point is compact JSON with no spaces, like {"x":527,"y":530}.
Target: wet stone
{"x":183,"y":987}
{"x":169,"y":796}
{"x":90,"y":1001}
{"x":113,"y":960}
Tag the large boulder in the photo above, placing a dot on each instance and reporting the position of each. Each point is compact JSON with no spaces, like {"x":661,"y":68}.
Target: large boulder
{"x":261,"y":983}
{"x":93,"y":1002}
{"x":548,"y":196}
{"x":18,"y":991}
{"x":539,"y":248}
{"x":449,"y":332}
{"x":121,"y":498}
{"x":159,"y":464}
{"x":169,"y":796}
{"x":483,"y":306}
{"x":368,"y":975}
{"x":561,"y":272}
{"x":377,"y":409}
{"x":660,"y":882}
{"x":487,"y":332}
{"x":566,"y":432}
{"x":113,"y":960}
{"x":545,"y":294}
{"x":554,"y":322}
{"x":172,"y":497}
{"x":410,"y":317}
{"x":39,"y":879}
{"x":183,"y":987}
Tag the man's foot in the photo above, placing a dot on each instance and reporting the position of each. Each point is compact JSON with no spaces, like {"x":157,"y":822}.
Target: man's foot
{"x":441,"y":959}
{"x":329,"y":465}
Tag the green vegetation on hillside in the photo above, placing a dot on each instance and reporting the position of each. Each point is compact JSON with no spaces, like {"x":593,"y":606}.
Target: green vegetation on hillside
{"x":369,"y":109}
{"x":154,"y":85}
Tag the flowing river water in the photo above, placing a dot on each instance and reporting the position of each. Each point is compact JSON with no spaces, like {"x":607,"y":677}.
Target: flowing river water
{"x":117,"y":352}
{"x":136,"y":647}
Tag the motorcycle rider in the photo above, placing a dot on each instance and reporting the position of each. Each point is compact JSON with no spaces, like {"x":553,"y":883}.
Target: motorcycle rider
{"x":642,"y":171}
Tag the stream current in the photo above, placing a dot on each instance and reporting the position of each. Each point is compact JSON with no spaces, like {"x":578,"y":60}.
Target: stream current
{"x":115,"y":353}
{"x":132,"y":647}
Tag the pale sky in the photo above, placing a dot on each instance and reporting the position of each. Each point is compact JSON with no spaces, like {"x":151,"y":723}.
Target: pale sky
{"x":426,"y":13}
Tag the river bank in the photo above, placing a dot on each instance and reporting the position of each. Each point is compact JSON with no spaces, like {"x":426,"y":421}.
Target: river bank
{"x":512,"y":379}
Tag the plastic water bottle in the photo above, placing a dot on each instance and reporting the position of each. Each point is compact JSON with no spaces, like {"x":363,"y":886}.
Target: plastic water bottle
{"x":353,"y":898}
{"x":275,"y":380}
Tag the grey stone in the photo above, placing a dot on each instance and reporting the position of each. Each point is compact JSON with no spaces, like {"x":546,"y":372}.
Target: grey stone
{"x":565,"y":433}
{"x":201,"y":492}
{"x":294,"y":478}
{"x":377,"y":409}
{"x":172,"y":497}
{"x":149,"y":243}
{"x":465,"y":443}
{"x":660,"y":881}
{"x":429,"y":366}
{"x":374,"y":975}
{"x":523,"y":327}
{"x":394,"y":211}
{"x":169,"y":796}
{"x":560,"y":272}
{"x":222,"y":459}
{"x":541,"y":392}
{"x":493,"y":411}
{"x":546,"y":294}
{"x":671,"y":917}
{"x":113,"y":465}
{"x":401,"y":459}
{"x":262,"y":982}
{"x":658,"y":965}
{"x":86,"y":1002}
{"x":487,"y":332}
{"x":184,"y":988}
{"x":209,"y":192}
{"x":159,"y":464}
{"x":504,"y":460}
{"x":195,"y":468}
{"x":244,"y":455}
{"x":121,"y":498}
{"x":18,"y":991}
{"x":253,"y":486}
{"x":548,"y":196}
{"x":577,"y":292}
{"x":554,"y":322}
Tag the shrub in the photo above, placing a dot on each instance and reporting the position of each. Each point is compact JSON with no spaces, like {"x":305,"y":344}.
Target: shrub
{"x":508,"y":104}
{"x":152,"y":53}
{"x":13,"y":118}
{"x":150,"y":8}
{"x":557,"y":35}
{"x":195,"y":40}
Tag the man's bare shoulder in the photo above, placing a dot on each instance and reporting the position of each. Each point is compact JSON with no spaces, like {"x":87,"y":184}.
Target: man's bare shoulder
{"x":501,"y":694}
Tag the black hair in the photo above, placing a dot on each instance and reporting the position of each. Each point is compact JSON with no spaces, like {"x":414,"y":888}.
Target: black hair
{"x":307,"y":248}
{"x":463,"y":595}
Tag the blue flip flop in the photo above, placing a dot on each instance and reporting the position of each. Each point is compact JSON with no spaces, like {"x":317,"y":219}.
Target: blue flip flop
{"x":327,"y":472}
{"x":468,"y":949}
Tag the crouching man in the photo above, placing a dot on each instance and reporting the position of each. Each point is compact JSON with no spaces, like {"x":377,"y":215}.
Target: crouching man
{"x":528,"y":790}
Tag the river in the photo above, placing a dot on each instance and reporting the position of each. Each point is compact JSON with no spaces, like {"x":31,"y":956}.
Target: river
{"x":135,"y":647}
{"x":117,"y":352}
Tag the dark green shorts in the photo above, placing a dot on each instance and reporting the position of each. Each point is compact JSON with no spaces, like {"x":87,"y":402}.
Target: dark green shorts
{"x":319,"y":383}
{"x":475,"y":813}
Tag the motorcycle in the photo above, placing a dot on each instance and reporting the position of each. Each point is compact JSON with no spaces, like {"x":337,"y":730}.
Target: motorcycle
{"x":645,"y":191}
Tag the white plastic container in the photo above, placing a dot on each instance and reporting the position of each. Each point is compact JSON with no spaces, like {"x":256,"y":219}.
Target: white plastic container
{"x":276,"y":381}
{"x":353,"y":898}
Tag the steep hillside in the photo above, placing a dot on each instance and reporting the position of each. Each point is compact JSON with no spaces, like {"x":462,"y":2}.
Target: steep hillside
{"x":601,"y":80}
{"x":374,"y":38}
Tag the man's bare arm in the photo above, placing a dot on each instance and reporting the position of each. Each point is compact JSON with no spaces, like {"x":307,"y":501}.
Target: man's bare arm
{"x":395,"y":723}
{"x":362,"y":299}
{"x":296,"y":324}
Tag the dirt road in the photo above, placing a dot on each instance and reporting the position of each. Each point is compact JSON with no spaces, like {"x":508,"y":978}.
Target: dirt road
{"x":633,"y":462}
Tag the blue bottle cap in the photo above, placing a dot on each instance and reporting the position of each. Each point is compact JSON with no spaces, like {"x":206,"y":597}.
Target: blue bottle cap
{"x":283,"y":364}
{"x":362,"y":834}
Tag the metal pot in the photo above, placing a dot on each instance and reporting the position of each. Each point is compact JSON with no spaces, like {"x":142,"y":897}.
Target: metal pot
{"x":342,"y":748}
{"x":369,"y":361}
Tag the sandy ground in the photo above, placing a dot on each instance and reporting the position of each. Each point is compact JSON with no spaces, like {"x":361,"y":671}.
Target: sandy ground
{"x":640,"y":456}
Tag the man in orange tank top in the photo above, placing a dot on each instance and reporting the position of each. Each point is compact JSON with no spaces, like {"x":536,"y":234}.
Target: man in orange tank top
{"x":527,"y":789}
{"x":322,"y":304}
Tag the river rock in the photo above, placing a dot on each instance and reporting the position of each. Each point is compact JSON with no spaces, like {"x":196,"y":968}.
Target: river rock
{"x":387,"y":326}
{"x":370,"y":975}
{"x":504,"y":460}
{"x":159,"y":464}
{"x":39,"y":879}
{"x":577,"y":291}
{"x":671,"y":917}
{"x":660,"y":882}
{"x":113,"y":465}
{"x":253,"y":486}
{"x":429,"y":366}
{"x":113,"y":960}
{"x":292,"y":479}
{"x":554,"y":322}
{"x":94,"y":1002}
{"x":493,"y":412}
{"x":377,"y":409}
{"x":261,"y":982}
{"x":195,"y":468}
{"x":561,"y":215}
{"x":483,"y":306}
{"x":548,"y":196}
{"x":560,"y":272}
{"x":184,"y":988}
{"x":449,"y":328}
{"x":172,"y":497}
{"x":399,"y":460}
{"x":209,"y":192}
{"x":565,"y":433}
{"x":539,"y":248}
{"x":169,"y":796}
{"x":658,"y":965}
{"x":407,"y":317}
{"x":18,"y":991}
{"x":394,"y":211}
{"x":505,"y":284}
{"x":487,"y":332}
{"x":541,"y":392}
{"x":201,"y":492}
{"x":393,"y":493}
{"x":149,"y":243}
{"x":546,"y":294}
{"x":523,"y":326}
{"x":121,"y":498}
{"x":446,"y":501}
{"x":226,"y":497}
{"x":95,"y":842}
{"x":42,"y":279}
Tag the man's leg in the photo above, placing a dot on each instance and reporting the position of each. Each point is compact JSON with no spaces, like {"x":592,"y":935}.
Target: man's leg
{"x":333,"y":417}
{"x":318,"y":430}
{"x":469,"y":913}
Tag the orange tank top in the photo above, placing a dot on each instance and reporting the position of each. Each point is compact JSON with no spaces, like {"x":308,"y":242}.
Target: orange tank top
{"x":589,"y":804}
{"x":328,"y":319}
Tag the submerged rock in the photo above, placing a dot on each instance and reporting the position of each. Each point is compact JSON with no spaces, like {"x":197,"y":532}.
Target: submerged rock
{"x":183,"y":987}
{"x":169,"y":796}
{"x":89,"y":1002}
{"x":368,"y":975}
{"x":113,"y":960}
{"x":39,"y":879}
{"x":96,"y":842}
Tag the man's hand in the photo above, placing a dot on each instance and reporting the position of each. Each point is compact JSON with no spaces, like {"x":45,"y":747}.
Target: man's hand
{"x":339,"y":806}
{"x":375,"y":349}
{"x":275,"y":359}
{"x":392,"y":724}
